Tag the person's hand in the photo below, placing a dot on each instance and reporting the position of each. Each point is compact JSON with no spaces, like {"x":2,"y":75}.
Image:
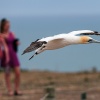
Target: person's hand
{"x":1,"y":39}
{"x":7,"y":59}
{"x":18,"y":43}
{"x":7,"y":56}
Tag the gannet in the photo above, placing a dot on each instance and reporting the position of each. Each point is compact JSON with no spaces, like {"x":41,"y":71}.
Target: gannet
{"x":61,"y":40}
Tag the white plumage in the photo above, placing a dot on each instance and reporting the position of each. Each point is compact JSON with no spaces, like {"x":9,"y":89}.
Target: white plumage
{"x":61,"y":40}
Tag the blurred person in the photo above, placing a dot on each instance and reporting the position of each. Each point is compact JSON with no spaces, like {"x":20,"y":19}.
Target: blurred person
{"x":3,"y":46}
{"x":12,"y":59}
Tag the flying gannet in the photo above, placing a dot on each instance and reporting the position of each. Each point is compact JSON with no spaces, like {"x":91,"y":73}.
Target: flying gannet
{"x":61,"y":40}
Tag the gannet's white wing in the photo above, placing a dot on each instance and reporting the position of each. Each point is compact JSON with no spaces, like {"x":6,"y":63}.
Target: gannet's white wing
{"x":56,"y":41}
{"x":84,"y":32}
{"x":55,"y":37}
{"x":44,"y":41}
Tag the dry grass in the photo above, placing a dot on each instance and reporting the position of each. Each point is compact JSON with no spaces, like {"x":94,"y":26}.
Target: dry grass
{"x":68,"y":86}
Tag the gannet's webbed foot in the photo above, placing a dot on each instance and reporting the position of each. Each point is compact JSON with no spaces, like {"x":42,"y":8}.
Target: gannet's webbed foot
{"x":33,"y":56}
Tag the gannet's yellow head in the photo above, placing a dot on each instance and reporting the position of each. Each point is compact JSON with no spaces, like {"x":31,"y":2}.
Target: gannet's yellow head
{"x":85,"y":39}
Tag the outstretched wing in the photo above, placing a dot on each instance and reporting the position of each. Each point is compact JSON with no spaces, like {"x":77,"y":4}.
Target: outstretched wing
{"x":33,"y":46}
{"x":84,"y":32}
{"x":34,"y":42}
{"x":56,"y":41}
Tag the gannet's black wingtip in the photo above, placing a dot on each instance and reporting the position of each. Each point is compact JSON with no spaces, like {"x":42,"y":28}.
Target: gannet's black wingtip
{"x":96,"y":32}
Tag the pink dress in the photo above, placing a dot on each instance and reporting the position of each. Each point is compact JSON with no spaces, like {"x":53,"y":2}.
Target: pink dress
{"x":14,"y":62}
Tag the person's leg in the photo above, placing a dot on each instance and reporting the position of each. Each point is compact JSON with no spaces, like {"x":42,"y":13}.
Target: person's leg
{"x":17,"y":79}
{"x":8,"y":83}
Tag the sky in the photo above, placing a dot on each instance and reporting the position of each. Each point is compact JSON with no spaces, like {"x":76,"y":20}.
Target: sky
{"x":41,"y":18}
{"x":48,"y":7}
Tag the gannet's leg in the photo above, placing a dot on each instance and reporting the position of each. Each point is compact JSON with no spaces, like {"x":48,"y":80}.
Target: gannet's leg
{"x":36,"y":54}
{"x":38,"y":51}
{"x":33,"y":56}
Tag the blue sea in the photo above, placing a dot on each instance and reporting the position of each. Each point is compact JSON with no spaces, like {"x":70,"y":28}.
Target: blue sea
{"x":69,"y":59}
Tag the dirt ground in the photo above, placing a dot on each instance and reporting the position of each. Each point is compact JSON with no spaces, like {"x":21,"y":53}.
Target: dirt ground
{"x":67,"y":86}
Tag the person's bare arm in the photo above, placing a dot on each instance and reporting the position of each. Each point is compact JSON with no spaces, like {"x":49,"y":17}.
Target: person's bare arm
{"x":3,"y":43}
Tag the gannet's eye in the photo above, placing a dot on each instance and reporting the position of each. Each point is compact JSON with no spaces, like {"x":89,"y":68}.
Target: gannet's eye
{"x":90,"y":40}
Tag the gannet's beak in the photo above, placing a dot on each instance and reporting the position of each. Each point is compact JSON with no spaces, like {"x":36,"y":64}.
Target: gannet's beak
{"x":93,"y":41}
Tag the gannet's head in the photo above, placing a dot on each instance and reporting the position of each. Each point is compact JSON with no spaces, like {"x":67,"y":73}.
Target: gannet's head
{"x":87,"y":39}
